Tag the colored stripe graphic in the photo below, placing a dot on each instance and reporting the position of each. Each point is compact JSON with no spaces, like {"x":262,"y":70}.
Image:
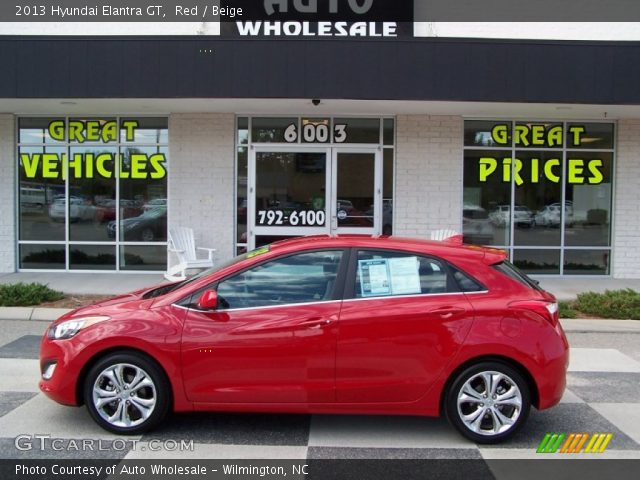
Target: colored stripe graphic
{"x":574,"y":443}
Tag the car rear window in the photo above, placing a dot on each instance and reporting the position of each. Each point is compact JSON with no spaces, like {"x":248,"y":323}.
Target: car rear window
{"x":510,"y":270}
{"x":465,"y":282}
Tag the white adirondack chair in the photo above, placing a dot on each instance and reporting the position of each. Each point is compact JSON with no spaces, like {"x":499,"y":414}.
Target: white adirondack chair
{"x":182,"y":243}
{"x":445,"y":234}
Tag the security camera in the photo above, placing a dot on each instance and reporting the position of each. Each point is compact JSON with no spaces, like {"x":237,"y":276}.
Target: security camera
{"x":316,"y":101}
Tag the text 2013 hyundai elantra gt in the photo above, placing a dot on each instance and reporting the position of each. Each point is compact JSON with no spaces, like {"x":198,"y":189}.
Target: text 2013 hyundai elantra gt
{"x":347,"y":324}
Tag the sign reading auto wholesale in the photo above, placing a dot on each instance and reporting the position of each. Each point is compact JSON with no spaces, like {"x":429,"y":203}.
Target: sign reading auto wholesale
{"x":313,"y":18}
{"x":85,"y":165}
{"x":542,"y":136}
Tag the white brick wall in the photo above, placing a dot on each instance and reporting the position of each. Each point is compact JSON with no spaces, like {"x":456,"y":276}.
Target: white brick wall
{"x":428,"y":174}
{"x":7,"y":194}
{"x":626,"y":235}
{"x":201,"y":178}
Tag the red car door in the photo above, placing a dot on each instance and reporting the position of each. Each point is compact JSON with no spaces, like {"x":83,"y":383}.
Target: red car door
{"x":273,"y":337}
{"x":403,"y":325}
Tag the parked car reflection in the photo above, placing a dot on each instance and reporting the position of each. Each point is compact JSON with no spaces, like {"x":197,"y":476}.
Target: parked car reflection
{"x":522,"y":216}
{"x":106,"y":210}
{"x":476,"y":226}
{"x":79,"y":209}
{"x":550,"y":215}
{"x":151,"y":226}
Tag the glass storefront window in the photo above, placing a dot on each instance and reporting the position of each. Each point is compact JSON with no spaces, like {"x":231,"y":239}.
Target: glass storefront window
{"x":103,"y":176}
{"x":486,"y":218}
{"x":546,"y":186}
{"x":356,"y":130}
{"x":272,"y":129}
{"x":588,"y":202}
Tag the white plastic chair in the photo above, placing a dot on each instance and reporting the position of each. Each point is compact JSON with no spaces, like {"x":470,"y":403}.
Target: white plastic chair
{"x":445,"y":234}
{"x":182,"y":243}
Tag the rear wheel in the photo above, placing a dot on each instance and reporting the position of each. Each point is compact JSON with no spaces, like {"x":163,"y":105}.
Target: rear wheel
{"x":126,"y":393}
{"x":488,"y":402}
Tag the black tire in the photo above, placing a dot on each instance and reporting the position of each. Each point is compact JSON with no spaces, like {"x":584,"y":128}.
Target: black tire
{"x":485,"y":412}
{"x":132,"y":405}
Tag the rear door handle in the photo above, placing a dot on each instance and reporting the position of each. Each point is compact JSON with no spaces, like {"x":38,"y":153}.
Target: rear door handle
{"x":447,"y":312}
{"x":315,"y":322}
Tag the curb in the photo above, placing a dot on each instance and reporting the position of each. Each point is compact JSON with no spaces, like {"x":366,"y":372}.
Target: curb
{"x":588,"y":325}
{"x":36,"y":314}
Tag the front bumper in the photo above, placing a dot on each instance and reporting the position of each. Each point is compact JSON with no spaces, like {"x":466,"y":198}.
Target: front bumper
{"x":62,"y":386}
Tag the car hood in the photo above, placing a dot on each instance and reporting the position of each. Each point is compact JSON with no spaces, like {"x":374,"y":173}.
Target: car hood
{"x":113,"y":306}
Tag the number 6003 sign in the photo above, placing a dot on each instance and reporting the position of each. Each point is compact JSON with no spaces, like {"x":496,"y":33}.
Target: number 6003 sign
{"x":315,"y":133}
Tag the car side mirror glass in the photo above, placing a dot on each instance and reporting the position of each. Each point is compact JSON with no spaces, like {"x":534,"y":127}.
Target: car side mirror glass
{"x":208,"y":300}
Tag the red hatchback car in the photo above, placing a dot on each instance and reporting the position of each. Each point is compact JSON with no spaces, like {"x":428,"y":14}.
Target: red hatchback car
{"x":347,"y":324}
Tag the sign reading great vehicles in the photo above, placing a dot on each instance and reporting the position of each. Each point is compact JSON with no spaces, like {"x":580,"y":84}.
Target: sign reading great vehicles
{"x":543,"y":136}
{"x":84,"y":165}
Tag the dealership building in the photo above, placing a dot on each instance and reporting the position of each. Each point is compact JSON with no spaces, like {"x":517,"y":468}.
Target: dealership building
{"x":107,"y":142}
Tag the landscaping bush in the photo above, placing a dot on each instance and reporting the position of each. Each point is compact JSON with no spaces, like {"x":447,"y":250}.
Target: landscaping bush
{"x":25,"y":294}
{"x":566,"y":310}
{"x":623,"y":304}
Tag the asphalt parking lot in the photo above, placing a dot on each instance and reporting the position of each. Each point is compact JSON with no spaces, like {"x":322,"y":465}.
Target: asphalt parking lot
{"x":603,"y":395}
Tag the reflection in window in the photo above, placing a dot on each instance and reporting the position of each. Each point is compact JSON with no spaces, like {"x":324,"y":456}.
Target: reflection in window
{"x":76,"y":191}
{"x":560,"y":175}
{"x":42,"y":256}
{"x":587,"y":262}
{"x":301,"y":278}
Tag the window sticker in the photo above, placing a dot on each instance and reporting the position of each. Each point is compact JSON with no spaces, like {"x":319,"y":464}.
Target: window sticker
{"x":405,"y":275}
{"x":393,"y":276}
{"x":374,"y":277}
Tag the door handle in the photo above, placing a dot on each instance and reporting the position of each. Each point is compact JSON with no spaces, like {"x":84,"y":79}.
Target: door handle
{"x":315,"y":322}
{"x":447,"y":312}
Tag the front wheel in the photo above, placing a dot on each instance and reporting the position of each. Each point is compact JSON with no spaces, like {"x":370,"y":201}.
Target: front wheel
{"x":126,"y":393}
{"x":488,"y":402}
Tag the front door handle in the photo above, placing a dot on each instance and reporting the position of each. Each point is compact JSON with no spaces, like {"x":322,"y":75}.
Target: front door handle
{"x":315,"y":322}
{"x":447,"y":312}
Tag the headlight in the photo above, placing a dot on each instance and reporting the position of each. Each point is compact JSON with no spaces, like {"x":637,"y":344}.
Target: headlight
{"x":69,"y":328}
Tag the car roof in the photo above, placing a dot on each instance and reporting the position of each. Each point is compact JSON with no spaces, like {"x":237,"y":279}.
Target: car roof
{"x":439,"y":248}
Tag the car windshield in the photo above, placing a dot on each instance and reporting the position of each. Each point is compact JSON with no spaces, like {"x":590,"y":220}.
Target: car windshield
{"x":163,"y":290}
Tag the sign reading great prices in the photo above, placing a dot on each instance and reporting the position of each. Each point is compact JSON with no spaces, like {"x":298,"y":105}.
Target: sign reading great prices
{"x":579,"y":170}
{"x":84,"y":165}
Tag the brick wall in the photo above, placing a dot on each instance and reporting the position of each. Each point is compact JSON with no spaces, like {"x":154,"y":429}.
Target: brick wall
{"x":626,"y":235}
{"x":201,"y":179}
{"x":428,"y":174}
{"x":7,"y":194}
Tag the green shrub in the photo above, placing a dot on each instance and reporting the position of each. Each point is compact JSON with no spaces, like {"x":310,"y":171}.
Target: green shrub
{"x":566,"y":310}
{"x":25,"y":294}
{"x":610,"y":304}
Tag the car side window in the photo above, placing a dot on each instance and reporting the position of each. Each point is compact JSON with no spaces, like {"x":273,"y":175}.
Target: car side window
{"x":387,"y":273}
{"x":300,"y":278}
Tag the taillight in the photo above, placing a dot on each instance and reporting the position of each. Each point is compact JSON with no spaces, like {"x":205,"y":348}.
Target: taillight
{"x":548,"y":310}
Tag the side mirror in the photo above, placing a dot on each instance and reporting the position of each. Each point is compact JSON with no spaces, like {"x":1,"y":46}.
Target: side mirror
{"x":208,"y":300}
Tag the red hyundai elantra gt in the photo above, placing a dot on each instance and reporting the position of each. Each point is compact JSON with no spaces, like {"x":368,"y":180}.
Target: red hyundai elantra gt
{"x":346,"y":324}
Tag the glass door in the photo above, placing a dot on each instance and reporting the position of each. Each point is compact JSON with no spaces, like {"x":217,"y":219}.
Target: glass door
{"x":288,"y":193}
{"x":356,"y":205}
{"x":296,"y":191}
